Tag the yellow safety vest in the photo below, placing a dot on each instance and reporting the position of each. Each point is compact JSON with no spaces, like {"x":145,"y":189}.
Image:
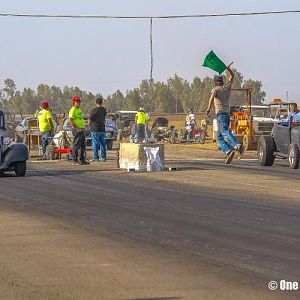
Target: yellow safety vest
{"x":43,"y":117}
{"x":141,"y":117}
{"x":76,"y":115}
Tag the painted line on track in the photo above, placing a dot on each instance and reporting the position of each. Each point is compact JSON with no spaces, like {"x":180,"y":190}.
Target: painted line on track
{"x":207,"y":159}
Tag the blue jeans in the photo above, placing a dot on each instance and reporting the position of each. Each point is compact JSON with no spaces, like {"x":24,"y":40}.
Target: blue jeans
{"x":224,"y":133}
{"x":46,"y":137}
{"x":98,"y":141}
{"x":140,"y":132}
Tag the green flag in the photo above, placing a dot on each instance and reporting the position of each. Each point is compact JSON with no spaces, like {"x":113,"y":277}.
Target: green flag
{"x":213,"y":62}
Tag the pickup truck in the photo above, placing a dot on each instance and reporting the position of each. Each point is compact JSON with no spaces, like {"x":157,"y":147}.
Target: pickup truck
{"x":284,"y":142}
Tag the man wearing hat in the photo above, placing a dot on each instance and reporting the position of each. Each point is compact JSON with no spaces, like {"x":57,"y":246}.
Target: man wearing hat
{"x":78,"y":124}
{"x":140,"y":121}
{"x":46,"y":125}
{"x":220,"y":98}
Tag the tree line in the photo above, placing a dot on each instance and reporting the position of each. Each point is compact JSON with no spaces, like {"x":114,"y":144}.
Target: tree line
{"x":174,"y":95}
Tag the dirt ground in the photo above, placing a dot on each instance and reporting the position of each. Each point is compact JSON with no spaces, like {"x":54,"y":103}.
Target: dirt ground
{"x":177,"y":120}
{"x":193,"y":150}
{"x":178,"y":151}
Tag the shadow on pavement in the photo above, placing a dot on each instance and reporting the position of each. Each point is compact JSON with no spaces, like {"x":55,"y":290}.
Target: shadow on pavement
{"x":38,"y":173}
{"x":156,"y":298}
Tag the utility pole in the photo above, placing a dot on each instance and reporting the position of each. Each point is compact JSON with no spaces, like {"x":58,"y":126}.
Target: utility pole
{"x":151,"y":62}
{"x":151,"y":52}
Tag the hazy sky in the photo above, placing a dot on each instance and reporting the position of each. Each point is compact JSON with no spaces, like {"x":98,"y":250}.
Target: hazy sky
{"x":106,"y":55}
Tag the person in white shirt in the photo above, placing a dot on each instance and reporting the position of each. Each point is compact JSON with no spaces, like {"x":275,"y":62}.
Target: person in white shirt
{"x":190,"y":123}
{"x":190,"y":118}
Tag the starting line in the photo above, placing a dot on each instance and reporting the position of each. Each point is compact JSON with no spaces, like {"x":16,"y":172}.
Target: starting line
{"x":207,"y":159}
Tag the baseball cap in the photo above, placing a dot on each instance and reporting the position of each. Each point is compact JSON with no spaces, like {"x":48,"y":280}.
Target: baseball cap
{"x":76,"y":99}
{"x":218,"y":78}
{"x":45,"y":104}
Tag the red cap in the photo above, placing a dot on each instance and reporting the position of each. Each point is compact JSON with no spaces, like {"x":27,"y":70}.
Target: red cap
{"x":45,"y":104}
{"x":76,"y":99}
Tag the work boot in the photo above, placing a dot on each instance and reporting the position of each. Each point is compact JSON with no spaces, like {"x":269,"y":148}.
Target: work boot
{"x":229,"y":157}
{"x":94,"y":160}
{"x":240,"y":151}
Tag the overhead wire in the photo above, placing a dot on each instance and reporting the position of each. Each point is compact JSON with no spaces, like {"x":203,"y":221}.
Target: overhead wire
{"x":150,"y":17}
{"x":240,"y":14}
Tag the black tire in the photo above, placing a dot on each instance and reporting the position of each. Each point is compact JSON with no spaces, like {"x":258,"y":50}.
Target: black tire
{"x":20,"y":168}
{"x":109,"y":144}
{"x":293,"y":156}
{"x":265,"y":150}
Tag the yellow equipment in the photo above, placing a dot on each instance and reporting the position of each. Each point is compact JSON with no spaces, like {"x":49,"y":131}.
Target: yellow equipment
{"x":241,"y":123}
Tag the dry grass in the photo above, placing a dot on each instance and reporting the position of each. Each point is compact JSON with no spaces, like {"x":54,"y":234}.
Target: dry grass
{"x":178,"y":120}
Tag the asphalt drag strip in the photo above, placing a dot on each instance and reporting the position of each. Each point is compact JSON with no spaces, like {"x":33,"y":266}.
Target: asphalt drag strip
{"x":206,"y":231}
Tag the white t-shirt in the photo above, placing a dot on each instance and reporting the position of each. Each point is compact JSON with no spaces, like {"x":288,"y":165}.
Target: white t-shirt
{"x":190,"y":119}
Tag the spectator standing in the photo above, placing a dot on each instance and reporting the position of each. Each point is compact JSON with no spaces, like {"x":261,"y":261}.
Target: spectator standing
{"x":294,"y":114}
{"x":190,"y":123}
{"x":78,"y":124}
{"x":140,"y":121}
{"x":190,"y":118}
{"x":97,"y":125}
{"x":46,"y":126}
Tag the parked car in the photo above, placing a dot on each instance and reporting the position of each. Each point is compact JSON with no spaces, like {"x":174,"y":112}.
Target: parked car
{"x":279,"y":110}
{"x":21,"y":131}
{"x":263,"y":121}
{"x":125,"y":123}
{"x":284,"y":142}
{"x":110,"y":132}
{"x":13,"y":157}
{"x":11,"y":121}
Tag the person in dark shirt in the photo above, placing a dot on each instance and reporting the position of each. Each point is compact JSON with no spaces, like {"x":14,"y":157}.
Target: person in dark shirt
{"x":97,"y":125}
